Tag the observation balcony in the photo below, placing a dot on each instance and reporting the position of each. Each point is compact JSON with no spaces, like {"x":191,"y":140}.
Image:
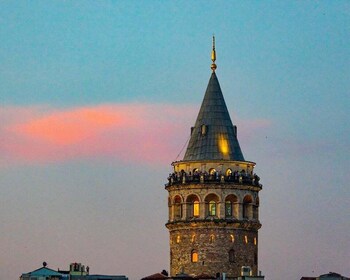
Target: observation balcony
{"x":239,"y":178}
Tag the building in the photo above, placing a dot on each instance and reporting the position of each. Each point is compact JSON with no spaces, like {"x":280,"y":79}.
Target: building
{"x":213,"y":197}
{"x":76,"y":271}
{"x":328,"y":276}
{"x":44,"y":273}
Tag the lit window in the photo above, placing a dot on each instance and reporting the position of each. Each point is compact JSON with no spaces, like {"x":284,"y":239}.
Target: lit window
{"x":204,"y":129}
{"x":196,"y":208}
{"x":178,"y":239}
{"x":254,"y":240}
{"x":212,"y":208}
{"x":232,"y":238}
{"x":193,"y":239}
{"x":192,"y":206}
{"x":211,"y":239}
{"x":194,"y":256}
{"x":212,"y":171}
{"x":246,"y":239}
{"x":223,"y":144}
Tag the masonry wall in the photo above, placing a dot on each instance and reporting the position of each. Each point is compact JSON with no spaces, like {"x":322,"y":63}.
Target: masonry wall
{"x":213,"y":243}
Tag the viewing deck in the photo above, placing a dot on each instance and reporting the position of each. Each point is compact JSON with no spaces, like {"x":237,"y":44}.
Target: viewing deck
{"x":205,"y":178}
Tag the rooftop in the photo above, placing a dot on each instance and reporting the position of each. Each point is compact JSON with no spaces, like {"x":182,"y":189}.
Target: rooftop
{"x":213,"y":136}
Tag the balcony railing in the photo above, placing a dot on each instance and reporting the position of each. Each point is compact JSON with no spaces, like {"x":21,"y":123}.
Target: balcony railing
{"x":206,"y":178}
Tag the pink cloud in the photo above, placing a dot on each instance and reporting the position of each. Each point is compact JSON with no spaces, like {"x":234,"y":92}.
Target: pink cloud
{"x":130,"y":132}
{"x":146,"y":133}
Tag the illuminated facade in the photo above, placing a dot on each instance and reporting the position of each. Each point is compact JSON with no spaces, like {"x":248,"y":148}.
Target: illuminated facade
{"x":213,"y":197}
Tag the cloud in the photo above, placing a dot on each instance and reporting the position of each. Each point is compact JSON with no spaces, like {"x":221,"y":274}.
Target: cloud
{"x":145,"y":133}
{"x":129,"y":132}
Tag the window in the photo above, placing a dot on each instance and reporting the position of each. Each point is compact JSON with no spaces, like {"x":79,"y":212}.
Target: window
{"x":212,"y":208}
{"x":178,"y":239}
{"x":228,"y":208}
{"x":246,"y":239}
{"x":169,"y":207}
{"x":231,"y":256}
{"x":193,"y":239}
{"x":177,"y":208}
{"x":232,"y":238}
{"x":231,"y":206}
{"x":255,"y":241}
{"x":211,"y":238}
{"x":194,"y":256}
{"x":203,"y":129}
{"x":196,"y":209}
{"x":247,"y":207}
{"x":192,"y":206}
{"x":256,"y":209}
{"x":212,"y":171}
{"x":211,"y":202}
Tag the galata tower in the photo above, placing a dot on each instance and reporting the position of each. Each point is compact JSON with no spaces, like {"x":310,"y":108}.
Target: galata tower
{"x":213,"y":197}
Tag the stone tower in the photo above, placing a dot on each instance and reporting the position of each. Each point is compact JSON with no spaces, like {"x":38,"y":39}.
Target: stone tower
{"x":213,"y":197}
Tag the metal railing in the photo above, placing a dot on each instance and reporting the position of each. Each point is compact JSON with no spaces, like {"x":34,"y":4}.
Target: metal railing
{"x":202,"y":178}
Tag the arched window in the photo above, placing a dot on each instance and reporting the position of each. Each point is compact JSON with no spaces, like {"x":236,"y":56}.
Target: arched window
{"x":231,"y":206}
{"x":177,"y":207}
{"x":247,"y":207}
{"x":229,"y":172}
{"x":193,"y":238}
{"x":212,"y":208}
{"x":231,"y":256}
{"x":232,"y":238}
{"x":211,"y":202}
{"x":256,"y":209}
{"x":169,"y":207}
{"x":195,"y":174}
{"x":192,"y":206}
{"x":211,"y":238}
{"x":194,"y":256}
{"x":212,"y":171}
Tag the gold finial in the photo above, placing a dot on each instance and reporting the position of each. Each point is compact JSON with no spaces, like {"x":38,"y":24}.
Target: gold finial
{"x":213,"y":56}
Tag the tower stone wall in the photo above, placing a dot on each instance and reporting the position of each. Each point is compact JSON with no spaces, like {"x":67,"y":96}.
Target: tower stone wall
{"x":214,"y":241}
{"x":225,"y":239}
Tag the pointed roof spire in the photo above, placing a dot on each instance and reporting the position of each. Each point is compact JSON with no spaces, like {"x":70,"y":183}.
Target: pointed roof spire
{"x":213,"y":56}
{"x":213,"y":136}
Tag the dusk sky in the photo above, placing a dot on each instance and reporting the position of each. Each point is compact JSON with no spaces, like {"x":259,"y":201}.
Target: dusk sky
{"x":98,"y":97}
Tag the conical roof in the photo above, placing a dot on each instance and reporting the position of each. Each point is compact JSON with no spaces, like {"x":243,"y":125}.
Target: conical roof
{"x":213,"y":136}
